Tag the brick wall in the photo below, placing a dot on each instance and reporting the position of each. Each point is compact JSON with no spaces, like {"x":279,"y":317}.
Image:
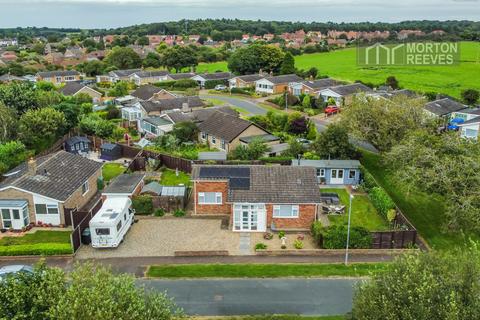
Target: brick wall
{"x":305,"y":218}
{"x":77,"y":199}
{"x":212,"y":186}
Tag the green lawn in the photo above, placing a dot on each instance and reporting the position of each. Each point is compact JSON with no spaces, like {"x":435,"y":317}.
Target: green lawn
{"x":268,"y":107}
{"x":215,"y":102}
{"x":169,"y":178}
{"x":112,"y":170}
{"x":263,"y":270}
{"x":364,"y":213}
{"x":274,"y":317}
{"x":40,"y":236}
{"x":425,"y":211}
{"x":341,"y":64}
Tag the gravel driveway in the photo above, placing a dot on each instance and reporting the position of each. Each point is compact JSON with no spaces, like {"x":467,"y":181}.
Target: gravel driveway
{"x":163,"y":236}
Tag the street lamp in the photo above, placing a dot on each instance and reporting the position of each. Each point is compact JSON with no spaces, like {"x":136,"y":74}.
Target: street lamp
{"x":348,"y":228}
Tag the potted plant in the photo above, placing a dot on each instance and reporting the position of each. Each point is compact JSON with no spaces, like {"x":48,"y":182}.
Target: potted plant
{"x":268,"y":236}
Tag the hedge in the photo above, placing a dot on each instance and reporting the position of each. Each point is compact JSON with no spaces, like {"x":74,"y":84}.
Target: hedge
{"x":210,"y":84}
{"x":143,"y":205}
{"x":46,"y":249}
{"x":335,"y":237}
{"x":381,"y":200}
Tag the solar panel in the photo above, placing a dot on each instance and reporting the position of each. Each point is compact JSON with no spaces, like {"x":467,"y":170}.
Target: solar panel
{"x":239,"y":183}
{"x":224,"y":172}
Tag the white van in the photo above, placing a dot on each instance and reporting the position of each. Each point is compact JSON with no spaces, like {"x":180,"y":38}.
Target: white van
{"x":111,"y":223}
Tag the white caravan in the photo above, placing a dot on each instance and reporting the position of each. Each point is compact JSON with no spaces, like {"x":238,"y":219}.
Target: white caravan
{"x":111,"y":223}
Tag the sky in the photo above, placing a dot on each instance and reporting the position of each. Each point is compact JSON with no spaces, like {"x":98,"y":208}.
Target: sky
{"x":117,"y":13}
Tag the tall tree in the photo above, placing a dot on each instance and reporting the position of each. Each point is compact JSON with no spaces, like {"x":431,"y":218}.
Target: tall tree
{"x":8,"y":122}
{"x":423,"y":286}
{"x":179,"y":57}
{"x":123,"y":58}
{"x":19,"y":96}
{"x":392,"y":82}
{"x":256,"y":57}
{"x":333,"y":143}
{"x":288,"y":64}
{"x":39,"y":128}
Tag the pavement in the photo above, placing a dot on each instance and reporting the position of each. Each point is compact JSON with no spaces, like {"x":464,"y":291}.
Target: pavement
{"x":248,"y":105}
{"x":222,"y":297}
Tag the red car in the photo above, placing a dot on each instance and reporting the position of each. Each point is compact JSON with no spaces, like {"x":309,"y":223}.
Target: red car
{"x":330,"y":110}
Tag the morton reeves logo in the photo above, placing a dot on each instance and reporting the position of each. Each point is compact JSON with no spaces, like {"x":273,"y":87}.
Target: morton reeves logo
{"x":410,"y":53}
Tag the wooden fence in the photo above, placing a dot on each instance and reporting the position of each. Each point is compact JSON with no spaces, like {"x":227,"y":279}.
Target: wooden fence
{"x":79,"y":219}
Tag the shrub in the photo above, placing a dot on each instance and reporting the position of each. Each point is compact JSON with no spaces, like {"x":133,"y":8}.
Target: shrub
{"x":240,"y":91}
{"x":260,"y":246}
{"x":368,"y":180}
{"x":179,"y":213}
{"x":381,"y":200}
{"x":46,"y":249}
{"x":185,"y":84}
{"x":159,"y":212}
{"x":143,"y":205}
{"x":210,"y":84}
{"x":317,"y":230}
{"x":281,"y":234}
{"x":335,"y":237}
{"x":165,"y":84}
{"x":283,"y":246}
{"x":298,"y":244}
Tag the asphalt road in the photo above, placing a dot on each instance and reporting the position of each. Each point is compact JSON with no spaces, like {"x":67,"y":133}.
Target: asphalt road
{"x":251,"y":107}
{"x":222,"y":297}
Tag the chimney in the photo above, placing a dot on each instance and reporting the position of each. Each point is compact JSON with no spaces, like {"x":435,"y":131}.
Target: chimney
{"x":260,"y":72}
{"x":185,"y":107}
{"x":32,"y":166}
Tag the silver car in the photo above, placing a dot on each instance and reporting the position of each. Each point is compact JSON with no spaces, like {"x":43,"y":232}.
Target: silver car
{"x":14,"y":269}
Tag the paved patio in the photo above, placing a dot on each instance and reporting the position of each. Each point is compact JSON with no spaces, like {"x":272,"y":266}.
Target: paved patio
{"x":156,"y":237}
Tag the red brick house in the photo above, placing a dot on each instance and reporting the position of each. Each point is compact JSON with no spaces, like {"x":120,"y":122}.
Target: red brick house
{"x":257,"y":197}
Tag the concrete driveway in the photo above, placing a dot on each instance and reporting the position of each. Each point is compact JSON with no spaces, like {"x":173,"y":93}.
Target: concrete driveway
{"x":156,"y":237}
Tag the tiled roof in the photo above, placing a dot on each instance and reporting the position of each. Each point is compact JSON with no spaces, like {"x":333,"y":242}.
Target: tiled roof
{"x":339,"y":164}
{"x":124,"y":73}
{"x":445,"y":106}
{"x":224,"y":126}
{"x":216,"y":76}
{"x":250,"y":77}
{"x":73,"y":87}
{"x":171,"y":104}
{"x":146,"y":92}
{"x":320,"y":83}
{"x":58,"y":175}
{"x":58,"y":73}
{"x":179,"y":76}
{"x":287,"y":78}
{"x":199,"y":115}
{"x":148,"y":74}
{"x":349,"y":89}
{"x":272,"y":184}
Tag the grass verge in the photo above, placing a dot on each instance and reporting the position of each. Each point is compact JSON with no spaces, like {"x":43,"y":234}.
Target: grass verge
{"x":264,"y":270}
{"x":41,"y":242}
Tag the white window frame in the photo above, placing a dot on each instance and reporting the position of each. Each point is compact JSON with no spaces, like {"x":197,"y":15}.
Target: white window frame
{"x":203,"y":135}
{"x":321,"y":172}
{"x":85,"y":188}
{"x":295,"y":211}
{"x":218,"y":198}
{"x":214,"y":140}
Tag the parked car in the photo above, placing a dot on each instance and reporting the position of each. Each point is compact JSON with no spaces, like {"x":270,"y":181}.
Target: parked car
{"x":14,"y":269}
{"x":330,"y":110}
{"x":220,"y":87}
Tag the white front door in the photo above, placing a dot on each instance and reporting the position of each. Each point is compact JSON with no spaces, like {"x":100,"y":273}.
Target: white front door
{"x":336,"y":176}
{"x":249,"y":217}
{"x":15,"y":218}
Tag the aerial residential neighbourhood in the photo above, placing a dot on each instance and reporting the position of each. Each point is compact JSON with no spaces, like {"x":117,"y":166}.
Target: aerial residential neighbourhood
{"x":155,"y":164}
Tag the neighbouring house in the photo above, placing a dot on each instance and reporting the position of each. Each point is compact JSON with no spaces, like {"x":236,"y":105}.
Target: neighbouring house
{"x":277,"y":84}
{"x":110,"y":151}
{"x":469,"y":126}
{"x":444,"y":108}
{"x":74,"y":88}
{"x":198,"y":115}
{"x":343,"y":94}
{"x":155,"y":126}
{"x":257,"y":197}
{"x":9,"y":78}
{"x":311,"y":87}
{"x":44,"y":189}
{"x":246,"y":81}
{"x":217,"y":77}
{"x":333,"y":172}
{"x":78,"y":145}
{"x":144,"y":109}
{"x":8,"y":56}
{"x":180,"y":76}
{"x":146,"y":77}
{"x":117,"y":75}
{"x":148,"y":92}
{"x":125,"y":185}
{"x":273,"y":142}
{"x":224,"y":131}
{"x":59,"y":76}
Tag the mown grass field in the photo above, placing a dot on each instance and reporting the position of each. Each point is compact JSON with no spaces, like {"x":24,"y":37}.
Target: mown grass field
{"x":272,"y":317}
{"x":264,"y":270}
{"x":341,"y":65}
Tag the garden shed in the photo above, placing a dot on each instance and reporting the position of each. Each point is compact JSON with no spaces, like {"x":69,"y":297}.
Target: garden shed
{"x":169,"y":198}
{"x":78,"y":144}
{"x":110,"y":151}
